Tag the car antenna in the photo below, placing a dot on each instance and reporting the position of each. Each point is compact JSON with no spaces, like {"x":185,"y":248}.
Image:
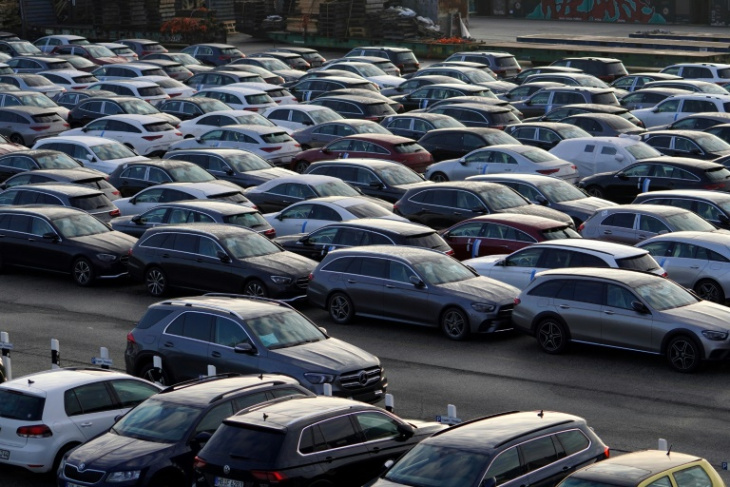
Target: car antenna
{"x":265,"y":416}
{"x":31,"y":382}
{"x":669,"y":450}
{"x":541,"y":413}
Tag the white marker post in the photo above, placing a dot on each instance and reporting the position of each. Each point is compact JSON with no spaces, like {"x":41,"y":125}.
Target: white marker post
{"x":327,"y":389}
{"x":55,"y":354}
{"x":157,"y":370}
{"x":6,"y":346}
{"x":211,"y":370}
{"x":389,"y":402}
{"x":103,"y":359}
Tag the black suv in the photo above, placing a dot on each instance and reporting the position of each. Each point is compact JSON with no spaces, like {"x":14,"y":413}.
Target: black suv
{"x":155,"y":444}
{"x":548,"y":98}
{"x":355,"y":106}
{"x":455,"y":143}
{"x":315,"y":441}
{"x":217,"y":257}
{"x":248,"y":335}
{"x":604,"y":68}
{"x":312,"y":88}
{"x":132,"y":177}
{"x":538,"y":448}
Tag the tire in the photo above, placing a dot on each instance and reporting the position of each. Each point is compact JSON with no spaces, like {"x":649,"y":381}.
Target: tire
{"x":710,"y":290}
{"x":455,"y":324}
{"x":552,"y":336}
{"x":340,"y":308}
{"x":300,"y":166}
{"x":155,"y":280}
{"x":82,"y":272}
{"x":255,"y":287}
{"x":17,"y":139}
{"x":596,"y":191}
{"x":684,"y":354}
{"x":439,"y":177}
{"x":148,"y":373}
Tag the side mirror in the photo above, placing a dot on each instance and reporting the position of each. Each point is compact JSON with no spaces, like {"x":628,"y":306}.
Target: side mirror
{"x":225,"y":258}
{"x":198,"y":140}
{"x":622,"y":176}
{"x":462,"y":161}
{"x":541,"y":200}
{"x":200,"y":439}
{"x":416,"y":282}
{"x":304,"y":240}
{"x":619,"y":157}
{"x":279,"y":217}
{"x":326,"y":151}
{"x":323,"y":330}
{"x":229,"y":171}
{"x":137,"y":219}
{"x":406,"y":431}
{"x":376,"y":185}
{"x":502,"y":262}
{"x":479,"y":209}
{"x":50,"y":236}
{"x":245,"y":347}
{"x":446,"y":236}
{"x":639,"y":307}
{"x":489,"y":482}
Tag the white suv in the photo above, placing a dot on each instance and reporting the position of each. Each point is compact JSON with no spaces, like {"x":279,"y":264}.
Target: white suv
{"x":520,"y":267}
{"x":710,"y":72}
{"x":680,"y":106}
{"x":44,"y":415}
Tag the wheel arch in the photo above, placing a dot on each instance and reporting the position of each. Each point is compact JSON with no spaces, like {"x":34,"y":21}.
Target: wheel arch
{"x":548,"y":314}
{"x":681,"y":332}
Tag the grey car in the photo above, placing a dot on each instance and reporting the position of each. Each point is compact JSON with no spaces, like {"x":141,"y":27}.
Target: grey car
{"x":633,"y":223}
{"x":713,"y":206}
{"x":249,"y":335}
{"x":91,"y":200}
{"x":26,"y":125}
{"x":83,"y":176}
{"x":626,"y":310}
{"x":410,"y":285}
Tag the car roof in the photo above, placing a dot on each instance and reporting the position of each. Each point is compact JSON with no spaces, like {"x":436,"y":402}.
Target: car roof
{"x":391,"y":138}
{"x":49,"y":211}
{"x":357,"y":161}
{"x":484,"y":107}
{"x":404,"y":251}
{"x":523,"y":178}
{"x":476,"y":130}
{"x":617,"y":250}
{"x":256,"y":129}
{"x":620,"y":141}
{"x":244,"y":90}
{"x":650,"y":209}
{"x":89,"y":140}
{"x":518,"y":220}
{"x":631,"y":469}
{"x":686,"y":162}
{"x":632,"y":278}
{"x":365,"y":100}
{"x":236,"y":305}
{"x":205,"y":187}
{"x":41,"y":382}
{"x":223,"y":207}
{"x":689,"y":193}
{"x":718,"y":238}
{"x":143,"y":119}
{"x":68,"y":189}
{"x":404,"y":228}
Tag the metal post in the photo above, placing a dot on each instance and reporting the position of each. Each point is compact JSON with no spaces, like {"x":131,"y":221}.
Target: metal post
{"x":451,"y":411}
{"x":157,"y":371}
{"x":663,"y":446}
{"x":104,"y":354}
{"x":55,"y":354}
{"x":327,"y":389}
{"x":6,"y":347}
{"x":211,"y":370}
{"x":389,"y":402}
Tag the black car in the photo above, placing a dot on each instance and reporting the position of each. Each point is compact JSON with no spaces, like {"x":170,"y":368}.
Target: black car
{"x":510,"y":449}
{"x":190,"y":63}
{"x":722,"y":131}
{"x":191,"y":107}
{"x":322,"y":133}
{"x":363,"y":231}
{"x":379,"y":178}
{"x":314,"y":58}
{"x":216,"y":257}
{"x":91,"y":200}
{"x":416,"y":125}
{"x":479,"y":114}
{"x":657,"y":174}
{"x":547,"y":99}
{"x":211,"y":79}
{"x":603,"y":124}
{"x":97,"y":107}
{"x":355,"y":106}
{"x":558,"y":114}
{"x":194,"y":211}
{"x":525,"y":73}
{"x":687,"y":143}
{"x":412,"y":84}
{"x":158,"y":440}
{"x":440,"y":205}
{"x":214,"y":54}
{"x":522,"y":92}
{"x":62,"y":240}
{"x":457,"y":142}
{"x":83,"y":176}
{"x":395,"y":105}
{"x":700,"y":121}
{"x":70,"y":99}
{"x":310,"y":89}
{"x":402,"y":57}
{"x":426,"y":95}
{"x":713,"y":206}
{"x":636,"y":81}
{"x":292,"y":59}
{"x":130,"y":178}
{"x":173,"y":69}
{"x":315,"y":441}
{"x":29,"y":160}
{"x":606,"y":69}
{"x":545,"y":135}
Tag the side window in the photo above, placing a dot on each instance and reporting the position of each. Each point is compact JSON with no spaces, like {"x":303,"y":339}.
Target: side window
{"x":692,"y":477}
{"x":659,"y":249}
{"x":259,"y":397}
{"x":339,"y":432}
{"x":668,"y":106}
{"x":619,"y":297}
{"x":399,"y":272}
{"x":468,"y":230}
{"x":573,"y":441}
{"x":467,"y":201}
{"x":506,"y":466}
{"x":539,"y":453}
{"x":624,"y":220}
{"x":708,"y":211}
{"x":192,"y":325}
{"x":376,"y":426}
{"x":320,"y":212}
{"x":661,"y":482}
{"x":338,"y":265}
{"x":651,"y":224}
{"x":548,"y":289}
{"x":186,"y":243}
{"x":312,"y":440}
{"x":40,"y":227}
{"x":590,"y":292}
{"x":90,"y":398}
{"x":373,"y":267}
{"x":215,"y":417}
{"x":132,"y":392}
{"x":228,"y":333}
{"x":526,"y":258}
{"x":208,"y":247}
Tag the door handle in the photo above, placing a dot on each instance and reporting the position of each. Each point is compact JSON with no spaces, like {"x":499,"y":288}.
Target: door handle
{"x":694,"y":267}
{"x":165,"y":256}
{"x":564,"y":306}
{"x":351,"y":281}
{"x":642,"y":237}
{"x":608,"y":312}
{"x":216,"y":354}
{"x":389,"y":286}
{"x":198,"y":260}
{"x":86,"y":425}
{"x":169,"y":344}
{"x":607,"y":232}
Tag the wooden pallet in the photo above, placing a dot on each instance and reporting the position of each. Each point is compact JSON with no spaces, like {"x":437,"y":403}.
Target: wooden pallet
{"x":230,"y":26}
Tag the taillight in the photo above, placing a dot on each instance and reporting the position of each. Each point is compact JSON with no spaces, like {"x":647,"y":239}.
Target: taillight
{"x":607,"y":452}
{"x":117,"y":193}
{"x":581,"y":227}
{"x":310,"y":276}
{"x":67,"y":125}
{"x":34,"y":431}
{"x":179,"y":134}
{"x":714,"y":186}
{"x":130,"y":337}
{"x":251,"y":109}
{"x":38,"y":128}
{"x":115,"y":212}
{"x":173,"y":95}
{"x":449,"y":252}
{"x":517,"y":301}
{"x":271,"y":149}
{"x":548,"y":171}
{"x":271,"y":477}
{"x":199,"y":463}
{"x":271,"y":232}
{"x":664,"y":274}
{"x":151,"y":137}
{"x":498,"y":127}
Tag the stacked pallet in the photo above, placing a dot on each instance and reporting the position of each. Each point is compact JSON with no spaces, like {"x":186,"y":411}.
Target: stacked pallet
{"x":333,"y":18}
{"x":9,"y":14}
{"x":126,"y":14}
{"x":250,"y":14}
{"x":308,"y":7}
{"x":396,"y":27}
{"x":300,"y":25}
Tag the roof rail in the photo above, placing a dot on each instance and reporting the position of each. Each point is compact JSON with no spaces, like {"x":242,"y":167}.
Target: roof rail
{"x":246,"y":296}
{"x":475,"y":420}
{"x":192,"y":382}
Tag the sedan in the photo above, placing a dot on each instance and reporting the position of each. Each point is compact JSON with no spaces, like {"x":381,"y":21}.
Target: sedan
{"x":23,"y":160}
{"x":93,"y":152}
{"x":458,"y":142}
{"x":603,"y":124}
{"x":320,"y":134}
{"x":416,"y":125}
{"x":195,"y":127}
{"x":132,"y":177}
{"x":33,"y":82}
{"x":687,"y":143}
{"x":544,"y":135}
{"x":503,"y":159}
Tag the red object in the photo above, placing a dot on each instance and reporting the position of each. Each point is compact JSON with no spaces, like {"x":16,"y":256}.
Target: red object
{"x":271,"y":477}
{"x":34,"y":431}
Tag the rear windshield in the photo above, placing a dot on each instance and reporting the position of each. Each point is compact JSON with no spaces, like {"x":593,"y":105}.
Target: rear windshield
{"x":717,"y":174}
{"x":368,"y":86}
{"x":504,"y":118}
{"x":277,"y":93}
{"x":321,"y":116}
{"x":233,"y":197}
{"x":380,"y":109}
{"x":539,"y":156}
{"x":107,"y":152}
{"x":169,"y":83}
{"x":153,"y":48}
{"x":408,"y":148}
{"x":189,"y":173}
{"x":605,"y":99}
{"x":430,"y":240}
{"x":100,"y":51}
{"x":505,"y":62}
{"x":276,"y":137}
{"x":176,"y":69}
{"x":638,"y":263}
{"x":642,"y":151}
{"x":95,"y":183}
{"x":91,"y":202}
{"x":158,"y":127}
{"x":37,"y":100}
{"x":620,"y":123}
{"x":151,"y":91}
{"x":87,"y":78}
{"x":560,"y":232}
{"x":406,"y":57}
{"x":398,"y":174}
{"x":17,"y":405}
{"x":261,"y":99}
{"x":689,"y":222}
{"x":231,"y":51}
{"x":250,"y":220}
{"x":615,"y":68}
{"x":368,"y":210}
{"x":60,"y":65}
{"x":446,"y":123}
{"x":47,"y":117}
{"x":253,"y":445}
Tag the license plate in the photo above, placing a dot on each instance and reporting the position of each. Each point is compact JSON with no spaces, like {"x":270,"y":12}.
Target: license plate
{"x":224,"y":482}
{"x":4,"y":454}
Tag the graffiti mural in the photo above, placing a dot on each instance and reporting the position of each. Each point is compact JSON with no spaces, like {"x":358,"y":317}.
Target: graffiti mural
{"x":638,"y":11}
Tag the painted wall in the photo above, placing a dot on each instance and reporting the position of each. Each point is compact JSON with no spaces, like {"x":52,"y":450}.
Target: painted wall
{"x":629,"y":11}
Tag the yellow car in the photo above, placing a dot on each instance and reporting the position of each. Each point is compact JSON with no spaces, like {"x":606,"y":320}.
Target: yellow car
{"x":650,"y":468}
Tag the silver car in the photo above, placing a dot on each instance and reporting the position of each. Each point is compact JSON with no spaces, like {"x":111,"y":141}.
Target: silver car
{"x":696,"y":260}
{"x":623,"y":309}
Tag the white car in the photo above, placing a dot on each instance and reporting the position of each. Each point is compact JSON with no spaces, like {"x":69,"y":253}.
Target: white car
{"x":94,"y":152}
{"x":680,"y":106}
{"x":272,"y":143}
{"x":171,"y":192}
{"x":520,"y":267}
{"x":370,"y":72}
{"x":120,"y":50}
{"x":144,"y":90}
{"x":32,"y":99}
{"x":593,"y":155}
{"x":240,"y":98}
{"x":71,"y":79}
{"x":710,"y":72}
{"x":110,"y":72}
{"x":49,"y":43}
{"x":314,"y":213}
{"x":297,"y":117}
{"x":33,"y":82}
{"x":148,"y":135}
{"x":46,"y":414}
{"x":172,"y":87}
{"x":498,"y":159}
{"x":197,"y":126}
{"x":278,"y":93}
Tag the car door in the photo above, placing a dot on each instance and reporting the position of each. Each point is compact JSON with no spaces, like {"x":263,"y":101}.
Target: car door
{"x":14,"y":233}
{"x":91,"y":408}
{"x":338,"y":449}
{"x":48,"y":249}
{"x":580,"y":302}
{"x":622,"y":325}
{"x":477,"y":162}
{"x":382,"y":436}
{"x":185,"y":343}
{"x":649,"y":226}
{"x":222,"y":353}
{"x":617,"y":227}
{"x":685,"y":262}
{"x":213,"y":271}
{"x":364,"y":282}
{"x":293,"y":220}
{"x":519,"y":268}
{"x":625,"y":185}
{"x":399,"y":288}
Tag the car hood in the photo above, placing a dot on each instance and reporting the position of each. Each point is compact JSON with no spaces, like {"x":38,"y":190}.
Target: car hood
{"x":287,"y":263}
{"x":483,"y":289}
{"x":269,"y":174}
{"x":704,"y":314}
{"x":590,"y":204}
{"x":328,"y":355}
{"x":111,"y":451}
{"x":538,"y":210}
{"x":114,"y":241}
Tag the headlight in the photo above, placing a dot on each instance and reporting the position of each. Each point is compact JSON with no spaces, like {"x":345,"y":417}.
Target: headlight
{"x":106,"y":257}
{"x":281,"y":279}
{"x":714,"y":335}
{"x":483,"y":307}
{"x":126,"y":476}
{"x":316,"y":378}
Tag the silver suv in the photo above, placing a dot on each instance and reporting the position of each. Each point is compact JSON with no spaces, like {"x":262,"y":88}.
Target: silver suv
{"x":623,"y":309}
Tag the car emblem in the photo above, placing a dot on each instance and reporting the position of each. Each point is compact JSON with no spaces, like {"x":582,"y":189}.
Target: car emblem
{"x":226,"y":469}
{"x":363,"y":378}
{"x":82,"y":467}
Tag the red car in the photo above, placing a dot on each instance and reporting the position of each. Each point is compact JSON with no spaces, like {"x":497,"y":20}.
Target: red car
{"x":375,"y":146}
{"x":99,"y":55}
{"x":502,"y":233}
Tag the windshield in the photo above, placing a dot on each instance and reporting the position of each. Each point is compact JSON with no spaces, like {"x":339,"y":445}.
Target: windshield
{"x":253,"y":119}
{"x":247,"y":162}
{"x":57,"y":160}
{"x":370,"y":70}
{"x":641,"y":150}
{"x":189,"y":173}
{"x":286,"y":329}
{"x":559,"y":191}
{"x":139,"y":107}
{"x":99,"y":51}
{"x":662,"y":294}
{"x":689,"y":222}
{"x":250,"y":220}
{"x":37,"y":80}
{"x":535,"y":155}
{"x":157,"y":421}
{"x":560,"y":232}
{"x":247,"y":245}
{"x":79,"y":226}
{"x":185,"y":59}
{"x":711,"y":143}
{"x":430,"y":466}
{"x":324,"y":115}
{"x":368,"y":210}
{"x":502,"y":197}
{"x":107,"y":152}
{"x":335,"y":188}
{"x":441,"y":269}
{"x":396,"y":175}
{"x":446,"y":122}
{"x":644,"y":262}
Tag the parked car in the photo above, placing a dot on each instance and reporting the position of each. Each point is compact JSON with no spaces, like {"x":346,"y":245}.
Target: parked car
{"x":369,"y":71}
{"x":32,"y":99}
{"x":312,"y":56}
{"x":70,"y":99}
{"x":412,"y":84}
{"x":268,"y":335}
{"x":402,"y":57}
{"x":319,"y":134}
{"x":606,"y":69}
{"x":713,"y":206}
{"x":678,"y":107}
{"x":23,"y":160}
{"x":71,"y":79}
{"x":239,"y":97}
{"x":195,"y":127}
{"x":453,"y":143}
{"x":622,"y":309}
{"x":356,"y":106}
{"x":172,"y":69}
{"x":97,"y":54}
{"x":98,"y":153}
{"x":544,"y":135}
{"x":416,"y":125}
{"x":636,"y":81}
{"x":648,"y":97}
{"x":123,"y":71}
{"x":292,"y":59}
{"x":311,"y":89}
{"x":26,"y":125}
{"x":183,"y":58}
{"x":186,"y":108}
{"x":80,"y":176}
{"x":47,"y":43}
{"x":478,"y":114}
{"x":121,"y":50}
{"x":132,"y":177}
{"x":523,"y":92}
{"x":410,"y":285}
{"x":527,"y":72}
{"x":296,"y":117}
{"x":163,"y":434}
{"x":499,"y":449}
{"x":354,"y":440}
{"x":502,"y":233}
{"x":219,"y":78}
{"x":603,"y":124}
{"x":710,"y":72}
{"x":519,"y":268}
{"x":549,"y":98}
{"x":472,"y":76}
{"x":142,"y":46}
{"x":62,"y":240}
{"x":137,"y":87}
{"x":425,"y":96}
{"x":275,"y":66}
{"x":31,"y":412}
{"x":633,"y":223}
{"x":558,"y":114}
{"x":214,"y":54}
{"x":35,"y":64}
{"x":91,"y":200}
{"x":503,"y":64}
{"x":687,"y":143}
{"x":657,"y":174}
{"x":97,"y":107}
{"x":691,"y":85}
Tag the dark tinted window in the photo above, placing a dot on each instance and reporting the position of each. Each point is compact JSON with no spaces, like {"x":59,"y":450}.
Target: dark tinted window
{"x":573,"y":441}
{"x":548,"y":289}
{"x":373,"y":267}
{"x":590,"y":292}
{"x":625,"y":220}
{"x":256,"y":445}
{"x":87,"y":399}
{"x":132,"y":392}
{"x":338,"y":265}
{"x":506,"y":466}
{"x":539,"y":453}
{"x":91,"y":202}
{"x":160,"y":241}
{"x":152,"y":316}
{"x":639,"y":263}
{"x":192,"y":325}
{"x":17,"y":405}
{"x":339,"y":432}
